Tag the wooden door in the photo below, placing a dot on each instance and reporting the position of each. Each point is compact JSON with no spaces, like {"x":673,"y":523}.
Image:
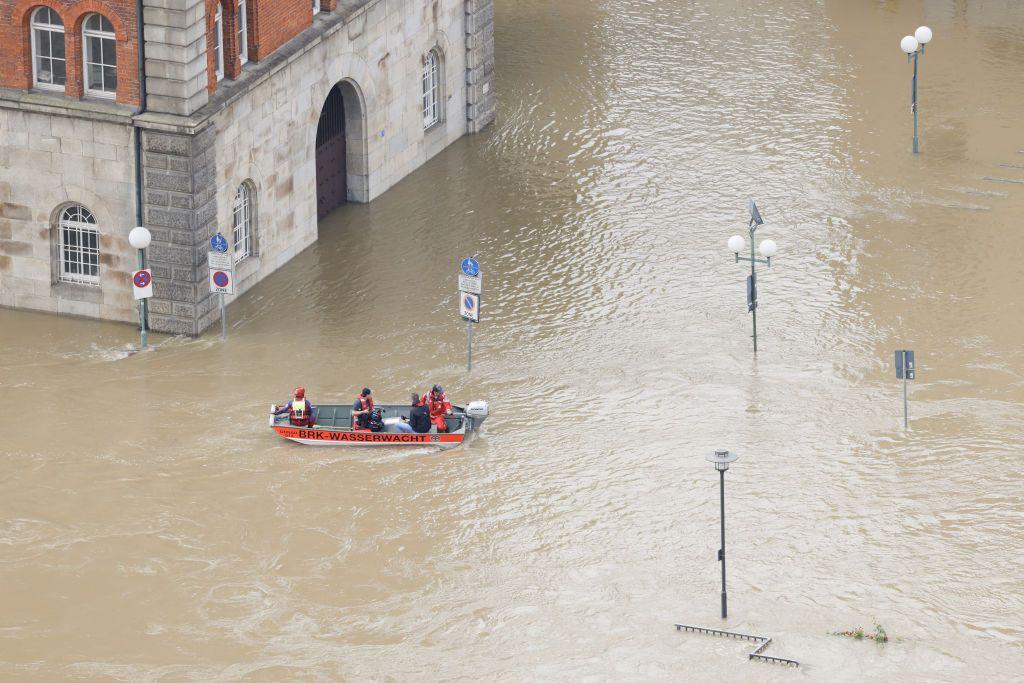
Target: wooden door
{"x":331,"y":187}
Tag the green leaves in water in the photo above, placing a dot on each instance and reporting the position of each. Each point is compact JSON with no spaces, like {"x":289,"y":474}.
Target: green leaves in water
{"x":879,"y":635}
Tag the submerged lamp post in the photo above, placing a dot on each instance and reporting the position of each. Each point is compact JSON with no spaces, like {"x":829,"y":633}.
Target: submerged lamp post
{"x":914,"y":45}
{"x":721,"y":458}
{"x":768,"y":249}
{"x":140,"y":238}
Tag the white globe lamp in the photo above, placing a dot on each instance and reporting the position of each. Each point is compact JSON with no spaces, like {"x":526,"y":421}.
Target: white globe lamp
{"x":139,"y":237}
{"x":909,"y":44}
{"x":769,"y":248}
{"x":922,"y":35}
{"x":736,"y":244}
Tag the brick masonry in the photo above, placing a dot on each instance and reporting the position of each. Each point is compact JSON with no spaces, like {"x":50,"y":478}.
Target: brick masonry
{"x":198,"y":147}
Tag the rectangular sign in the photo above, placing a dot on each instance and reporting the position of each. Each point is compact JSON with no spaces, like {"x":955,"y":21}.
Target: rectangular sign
{"x":222,"y":282}
{"x":751,"y":293}
{"x":142,"y":284}
{"x":905,"y":364}
{"x":469,"y":284}
{"x":220,"y":261}
{"x":469,"y":306}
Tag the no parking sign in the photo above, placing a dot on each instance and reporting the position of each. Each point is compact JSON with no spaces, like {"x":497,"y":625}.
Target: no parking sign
{"x":142,"y":284}
{"x":221,"y":282}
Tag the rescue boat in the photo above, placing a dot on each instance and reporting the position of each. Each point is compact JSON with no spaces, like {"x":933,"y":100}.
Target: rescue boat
{"x":334,"y":427}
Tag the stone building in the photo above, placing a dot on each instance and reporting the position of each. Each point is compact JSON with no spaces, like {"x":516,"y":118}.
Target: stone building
{"x":248,"y":117}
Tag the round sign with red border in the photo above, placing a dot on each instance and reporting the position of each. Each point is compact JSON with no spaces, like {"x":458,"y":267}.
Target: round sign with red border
{"x":221,"y":279}
{"x":142,"y":279}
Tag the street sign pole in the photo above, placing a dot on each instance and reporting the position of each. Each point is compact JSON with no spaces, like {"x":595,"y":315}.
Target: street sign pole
{"x":906,"y":424}
{"x":143,"y":307}
{"x":223,"y":318}
{"x":222,"y":276}
{"x":469,"y":302}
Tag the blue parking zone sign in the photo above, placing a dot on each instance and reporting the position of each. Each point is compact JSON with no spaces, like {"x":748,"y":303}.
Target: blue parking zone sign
{"x":905,"y":366}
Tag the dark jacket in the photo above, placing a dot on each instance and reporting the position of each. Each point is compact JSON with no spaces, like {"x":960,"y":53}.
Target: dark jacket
{"x":419,"y":418}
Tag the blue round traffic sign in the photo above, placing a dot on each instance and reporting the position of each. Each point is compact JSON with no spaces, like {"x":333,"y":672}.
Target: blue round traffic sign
{"x":220,"y":278}
{"x":470,"y":267}
{"x":469,"y":303}
{"x":218,"y":243}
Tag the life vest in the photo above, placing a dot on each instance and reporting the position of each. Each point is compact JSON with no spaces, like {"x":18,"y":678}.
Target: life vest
{"x":437,"y":405}
{"x":361,"y":421}
{"x":366,"y":402}
{"x":298,"y":413}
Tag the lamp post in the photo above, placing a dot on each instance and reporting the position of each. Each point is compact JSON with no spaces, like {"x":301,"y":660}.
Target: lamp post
{"x":140,"y":238}
{"x":721,"y":459}
{"x":768,"y":249}
{"x":914,"y":45}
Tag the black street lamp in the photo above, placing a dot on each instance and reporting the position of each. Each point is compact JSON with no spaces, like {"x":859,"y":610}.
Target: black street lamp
{"x":721,"y":458}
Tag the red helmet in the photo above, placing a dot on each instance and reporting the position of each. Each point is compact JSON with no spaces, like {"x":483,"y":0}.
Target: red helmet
{"x":300,"y":392}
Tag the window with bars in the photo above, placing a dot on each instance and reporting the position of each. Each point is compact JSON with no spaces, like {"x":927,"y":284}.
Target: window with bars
{"x":241,"y":218}
{"x":218,"y":43}
{"x":100,"y":46}
{"x":243,"y":32}
{"x":49,"y":68}
{"x":431,"y":89}
{"x":78,"y":246}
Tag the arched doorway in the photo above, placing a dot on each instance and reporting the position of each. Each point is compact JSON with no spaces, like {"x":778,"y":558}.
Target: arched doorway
{"x":341,"y":160}
{"x":331,"y":171}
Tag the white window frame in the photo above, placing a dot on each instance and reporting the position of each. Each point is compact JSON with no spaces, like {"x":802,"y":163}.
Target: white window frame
{"x":316,"y":6}
{"x":218,"y":42}
{"x":241,"y":222}
{"x":243,"y":32}
{"x":34,"y":26}
{"x":86,"y":61}
{"x":431,"y":89}
{"x":74,"y":255}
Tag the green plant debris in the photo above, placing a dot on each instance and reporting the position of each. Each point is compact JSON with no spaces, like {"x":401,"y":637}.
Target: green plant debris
{"x":879,"y":635}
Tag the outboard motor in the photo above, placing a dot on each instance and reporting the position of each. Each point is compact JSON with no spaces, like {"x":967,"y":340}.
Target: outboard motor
{"x":476,"y":413}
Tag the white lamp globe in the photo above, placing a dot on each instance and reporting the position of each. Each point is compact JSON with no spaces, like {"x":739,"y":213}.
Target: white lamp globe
{"x":736,"y":244}
{"x":139,"y":237}
{"x":769,"y":248}
{"x":923,"y":34}
{"x":909,"y":44}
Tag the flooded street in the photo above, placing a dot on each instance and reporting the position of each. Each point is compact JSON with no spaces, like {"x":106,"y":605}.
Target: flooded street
{"x":153,"y":528}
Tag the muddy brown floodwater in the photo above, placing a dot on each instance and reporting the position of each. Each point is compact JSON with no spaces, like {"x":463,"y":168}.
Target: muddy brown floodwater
{"x":152,"y":528}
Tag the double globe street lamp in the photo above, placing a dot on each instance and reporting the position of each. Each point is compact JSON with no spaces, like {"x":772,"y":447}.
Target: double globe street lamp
{"x":914,"y":45}
{"x":768,"y":249}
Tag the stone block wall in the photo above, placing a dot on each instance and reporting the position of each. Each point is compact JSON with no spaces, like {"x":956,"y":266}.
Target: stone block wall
{"x":47,"y":162}
{"x":480,"y":96}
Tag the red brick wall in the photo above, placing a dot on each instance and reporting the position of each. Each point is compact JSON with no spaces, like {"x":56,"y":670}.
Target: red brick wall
{"x":275,"y":22}
{"x":16,"y":48}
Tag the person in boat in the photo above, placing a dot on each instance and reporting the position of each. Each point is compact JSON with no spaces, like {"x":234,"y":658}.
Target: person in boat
{"x":419,"y":418}
{"x":439,"y":406}
{"x":301,"y":412}
{"x":361,"y":409}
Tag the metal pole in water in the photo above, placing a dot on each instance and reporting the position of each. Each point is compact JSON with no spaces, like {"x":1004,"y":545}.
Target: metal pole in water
{"x":753,"y":282}
{"x":721,"y":474}
{"x":469,"y":346}
{"x":905,"y":399}
{"x":913,"y":101}
{"x":142,"y":305}
{"x":223,"y":318}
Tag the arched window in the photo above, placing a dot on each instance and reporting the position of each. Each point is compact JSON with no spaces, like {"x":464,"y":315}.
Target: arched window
{"x":78,"y":246}
{"x":100,"y":56}
{"x":243,"y":32}
{"x":218,"y":42}
{"x":49,"y":69}
{"x":431,"y":89}
{"x":241,"y":220}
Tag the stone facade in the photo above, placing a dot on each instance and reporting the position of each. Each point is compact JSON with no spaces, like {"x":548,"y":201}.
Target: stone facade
{"x":198,"y":147}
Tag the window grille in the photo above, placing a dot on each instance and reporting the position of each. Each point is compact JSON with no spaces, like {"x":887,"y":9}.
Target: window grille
{"x":79,"y":246}
{"x":100,"y":56}
{"x":218,"y":43}
{"x":243,"y":32}
{"x":242,"y":221}
{"x":49,"y":68}
{"x":431,"y":87}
